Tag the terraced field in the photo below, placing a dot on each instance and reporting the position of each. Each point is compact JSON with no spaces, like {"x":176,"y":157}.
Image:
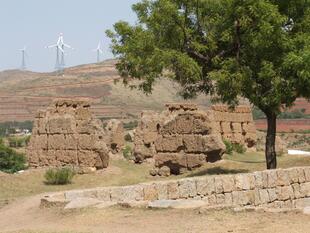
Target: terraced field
{"x":23,"y":93}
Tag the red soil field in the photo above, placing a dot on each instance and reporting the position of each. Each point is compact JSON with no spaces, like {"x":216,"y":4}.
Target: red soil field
{"x":289,"y":125}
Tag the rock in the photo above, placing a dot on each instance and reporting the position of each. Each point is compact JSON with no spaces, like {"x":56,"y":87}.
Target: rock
{"x":164,"y":171}
{"x":115,"y":131}
{"x":306,"y":210}
{"x":154,"y":172}
{"x":176,"y":204}
{"x":79,"y":203}
{"x":65,"y":134}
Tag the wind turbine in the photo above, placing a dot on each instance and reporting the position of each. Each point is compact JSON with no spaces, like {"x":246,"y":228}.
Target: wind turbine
{"x":99,"y":51}
{"x":23,"y":51}
{"x":60,"y":52}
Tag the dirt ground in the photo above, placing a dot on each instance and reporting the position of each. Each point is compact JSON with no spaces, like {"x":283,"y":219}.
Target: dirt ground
{"x":25,"y":216}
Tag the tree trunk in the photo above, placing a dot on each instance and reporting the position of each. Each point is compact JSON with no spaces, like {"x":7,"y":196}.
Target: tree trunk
{"x":270,"y":152}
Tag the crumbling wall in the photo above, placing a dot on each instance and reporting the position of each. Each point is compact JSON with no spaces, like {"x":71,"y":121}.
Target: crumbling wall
{"x":67,"y":134}
{"x":115,"y":135}
{"x":180,"y":138}
{"x":237,"y":125}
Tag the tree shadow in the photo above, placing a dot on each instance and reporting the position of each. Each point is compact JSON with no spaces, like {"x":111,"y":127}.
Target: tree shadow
{"x":217,"y":171}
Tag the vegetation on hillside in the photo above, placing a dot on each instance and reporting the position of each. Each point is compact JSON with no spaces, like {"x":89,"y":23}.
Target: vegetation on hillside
{"x":10,"y":160}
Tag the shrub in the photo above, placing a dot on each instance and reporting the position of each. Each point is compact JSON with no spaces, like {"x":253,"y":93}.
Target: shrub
{"x":127,"y":152}
{"x":10,"y":160}
{"x":1,"y":141}
{"x":59,"y":176}
{"x":239,"y":148}
{"x":229,"y":147}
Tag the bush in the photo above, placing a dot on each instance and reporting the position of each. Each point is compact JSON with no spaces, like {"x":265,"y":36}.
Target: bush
{"x":229,"y":147}
{"x":1,"y":141}
{"x":127,"y":152}
{"x":59,"y":176}
{"x":10,"y":160}
{"x":239,"y":148}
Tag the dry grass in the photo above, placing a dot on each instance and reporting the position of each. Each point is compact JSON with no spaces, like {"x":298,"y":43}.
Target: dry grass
{"x":126,"y":173}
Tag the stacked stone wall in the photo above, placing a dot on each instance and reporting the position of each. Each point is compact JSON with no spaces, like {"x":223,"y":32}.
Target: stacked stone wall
{"x":237,"y":125}
{"x":282,"y":188}
{"x":180,"y":138}
{"x":183,"y":137}
{"x":67,"y":134}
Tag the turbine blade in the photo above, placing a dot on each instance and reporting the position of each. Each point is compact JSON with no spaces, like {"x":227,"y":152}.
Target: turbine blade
{"x":52,"y":46}
{"x":68,"y":46}
{"x":61,"y":49}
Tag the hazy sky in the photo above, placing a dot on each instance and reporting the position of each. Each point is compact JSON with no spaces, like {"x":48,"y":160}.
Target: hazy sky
{"x":37,"y":23}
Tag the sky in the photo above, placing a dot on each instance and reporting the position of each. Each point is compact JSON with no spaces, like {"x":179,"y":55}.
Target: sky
{"x":38,"y":23}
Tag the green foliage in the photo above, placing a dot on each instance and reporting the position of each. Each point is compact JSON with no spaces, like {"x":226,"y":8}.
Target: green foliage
{"x":239,"y":148}
{"x":59,"y":176}
{"x":1,"y":141}
{"x":127,"y":152}
{"x":17,"y":142}
{"x":10,"y":126}
{"x":131,"y":125}
{"x":229,"y":147}
{"x":10,"y":160}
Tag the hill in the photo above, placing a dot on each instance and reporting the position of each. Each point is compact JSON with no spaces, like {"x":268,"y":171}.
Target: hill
{"x":22,"y":93}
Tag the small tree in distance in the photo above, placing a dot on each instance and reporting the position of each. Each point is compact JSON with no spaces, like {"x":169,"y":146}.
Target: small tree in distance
{"x":259,"y":50}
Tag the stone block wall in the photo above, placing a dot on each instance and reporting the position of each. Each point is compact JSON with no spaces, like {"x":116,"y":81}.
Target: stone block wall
{"x":67,"y":134}
{"x":182,"y":137}
{"x":282,"y":188}
{"x":236,"y":126}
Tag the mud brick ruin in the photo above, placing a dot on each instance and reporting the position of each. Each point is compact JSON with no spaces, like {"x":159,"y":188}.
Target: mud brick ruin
{"x":67,"y":134}
{"x":115,"y":133}
{"x":183,"y":137}
{"x":236,"y":126}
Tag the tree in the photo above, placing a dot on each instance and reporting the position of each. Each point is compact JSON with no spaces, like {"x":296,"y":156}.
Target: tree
{"x":259,"y":50}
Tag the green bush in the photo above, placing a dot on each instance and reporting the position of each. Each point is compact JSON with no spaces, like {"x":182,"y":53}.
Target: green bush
{"x":59,"y":176}
{"x":10,"y":160}
{"x":229,"y":147}
{"x":1,"y":141}
{"x":239,"y":148}
{"x":127,"y":152}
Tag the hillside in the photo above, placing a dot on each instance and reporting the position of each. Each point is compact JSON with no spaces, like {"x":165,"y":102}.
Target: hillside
{"x":22,"y":93}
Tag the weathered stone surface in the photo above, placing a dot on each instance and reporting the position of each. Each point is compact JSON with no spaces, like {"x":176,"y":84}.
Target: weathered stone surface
{"x":66,"y":134}
{"x":191,"y":133}
{"x":187,"y":188}
{"x":176,"y":204}
{"x":115,"y":131}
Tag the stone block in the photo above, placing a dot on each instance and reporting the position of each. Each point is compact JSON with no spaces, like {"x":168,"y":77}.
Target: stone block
{"x":264,"y":196}
{"x":195,"y":160}
{"x":104,"y":194}
{"x":258,"y":176}
{"x":305,"y":189}
{"x":87,"y":158}
{"x":150,"y":192}
{"x":296,"y":190}
{"x":39,"y":142}
{"x":162,"y":190}
{"x":218,"y":185}
{"x":228,"y":199}
{"x":173,"y":190}
{"x":61,"y":124}
{"x":272,"y":194}
{"x":226,"y":128}
{"x":187,"y":188}
{"x":301,"y":175}
{"x":127,"y":193}
{"x":175,"y":161}
{"x":244,"y":197}
{"x":64,"y":157}
{"x":283,"y":178}
{"x":228,"y":183}
{"x":205,"y":186}
{"x":307,"y":174}
{"x":272,"y":178}
{"x":169,"y":143}
{"x":293,"y":175}
{"x":284,"y":193}
{"x":236,"y":128}
{"x":220,"y":199}
{"x":56,"y":142}
{"x":242,"y":182}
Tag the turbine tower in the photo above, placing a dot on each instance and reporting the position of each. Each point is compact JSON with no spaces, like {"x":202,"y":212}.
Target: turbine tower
{"x":60,"y":52}
{"x":23,"y":65}
{"x":99,"y":51}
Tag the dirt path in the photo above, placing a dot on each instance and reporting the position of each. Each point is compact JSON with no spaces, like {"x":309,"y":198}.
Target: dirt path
{"x":24,"y":215}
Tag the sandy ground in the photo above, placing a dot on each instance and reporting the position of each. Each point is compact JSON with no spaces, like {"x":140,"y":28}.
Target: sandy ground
{"x":25,"y":216}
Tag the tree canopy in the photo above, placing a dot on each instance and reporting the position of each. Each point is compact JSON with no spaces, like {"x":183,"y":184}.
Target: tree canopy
{"x":259,"y":50}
